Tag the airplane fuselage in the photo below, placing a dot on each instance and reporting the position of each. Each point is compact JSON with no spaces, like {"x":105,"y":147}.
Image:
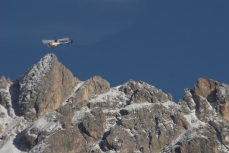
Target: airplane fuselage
{"x":53,"y":44}
{"x":57,"y":42}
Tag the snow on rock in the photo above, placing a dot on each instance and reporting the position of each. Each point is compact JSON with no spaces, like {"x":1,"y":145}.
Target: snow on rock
{"x":4,"y":119}
{"x":193,"y":120}
{"x":8,"y":146}
{"x":10,"y":127}
{"x":110,"y":122}
{"x":39,"y":148}
{"x":79,"y":115}
{"x":47,"y":123}
{"x":137,"y":106}
{"x":168,"y":104}
{"x":73,"y":94}
{"x":222,"y":92}
{"x":95,"y":147}
{"x":5,"y":94}
{"x":29,"y":80}
{"x":186,"y":136}
{"x":111,"y":96}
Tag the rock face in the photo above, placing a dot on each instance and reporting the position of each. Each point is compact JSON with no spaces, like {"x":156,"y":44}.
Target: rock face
{"x":5,"y":97}
{"x":48,"y":110}
{"x":44,"y":87}
{"x":208,"y":91}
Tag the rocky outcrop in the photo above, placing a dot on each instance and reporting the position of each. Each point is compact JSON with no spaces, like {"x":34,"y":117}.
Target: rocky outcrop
{"x":4,"y":83}
{"x":206,"y":88}
{"x":205,"y":145}
{"x":5,"y":96}
{"x":146,"y":128}
{"x":72,"y":118}
{"x":4,"y":91}
{"x":210,"y":93}
{"x":142,"y":92}
{"x":57,"y":113}
{"x":90,"y":88}
{"x":222,"y":94}
{"x":44,"y":87}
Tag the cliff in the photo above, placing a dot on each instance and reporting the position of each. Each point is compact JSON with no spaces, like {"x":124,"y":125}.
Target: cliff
{"x":48,"y":110}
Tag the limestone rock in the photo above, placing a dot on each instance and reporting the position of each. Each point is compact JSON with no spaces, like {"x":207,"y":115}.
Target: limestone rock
{"x":5,"y":95}
{"x":127,"y":90}
{"x":142,"y":92}
{"x":4,"y":90}
{"x":148,"y":127}
{"x":92,"y":87}
{"x":44,"y":87}
{"x":204,"y":145}
{"x":222,"y":95}
{"x":65,"y":115}
{"x":208,"y":95}
{"x":206,"y":88}
{"x":4,"y":82}
{"x":188,"y":97}
{"x":95,"y":124}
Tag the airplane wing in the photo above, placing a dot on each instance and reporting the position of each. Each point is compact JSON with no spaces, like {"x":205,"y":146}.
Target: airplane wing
{"x":63,"y":39}
{"x":47,"y":41}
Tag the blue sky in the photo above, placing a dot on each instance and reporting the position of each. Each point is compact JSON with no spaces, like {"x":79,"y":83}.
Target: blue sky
{"x":168,"y":44}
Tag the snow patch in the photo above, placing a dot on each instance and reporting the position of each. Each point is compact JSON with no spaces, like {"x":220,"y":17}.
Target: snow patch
{"x":46,"y":123}
{"x":193,"y":120}
{"x":168,"y":104}
{"x":111,"y":96}
{"x":185,"y":136}
{"x":129,"y":132}
{"x":10,"y":127}
{"x":79,"y":115}
{"x":117,"y":87}
{"x":110,"y":111}
{"x":137,"y":106}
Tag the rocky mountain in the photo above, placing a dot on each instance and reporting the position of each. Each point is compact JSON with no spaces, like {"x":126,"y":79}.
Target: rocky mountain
{"x":48,"y":110}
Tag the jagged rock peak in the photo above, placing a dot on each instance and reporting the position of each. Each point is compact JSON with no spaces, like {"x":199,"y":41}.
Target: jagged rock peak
{"x":44,"y":87}
{"x":210,"y":94}
{"x":140,"y":92}
{"x":4,"y":82}
{"x":88,"y":89}
{"x":206,"y":88}
{"x":58,"y":114}
{"x":34,"y":74}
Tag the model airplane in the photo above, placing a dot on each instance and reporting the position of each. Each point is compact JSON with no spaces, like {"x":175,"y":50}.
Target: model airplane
{"x":56,"y":42}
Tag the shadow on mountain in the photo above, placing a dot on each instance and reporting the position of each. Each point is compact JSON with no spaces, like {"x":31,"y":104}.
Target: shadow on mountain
{"x":14,"y":92}
{"x":19,"y":142}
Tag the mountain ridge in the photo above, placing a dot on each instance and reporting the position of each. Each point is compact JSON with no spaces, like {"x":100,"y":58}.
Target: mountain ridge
{"x":49,"y":110}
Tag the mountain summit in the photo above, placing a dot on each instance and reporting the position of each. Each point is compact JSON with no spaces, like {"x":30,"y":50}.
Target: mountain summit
{"x":48,"y":110}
